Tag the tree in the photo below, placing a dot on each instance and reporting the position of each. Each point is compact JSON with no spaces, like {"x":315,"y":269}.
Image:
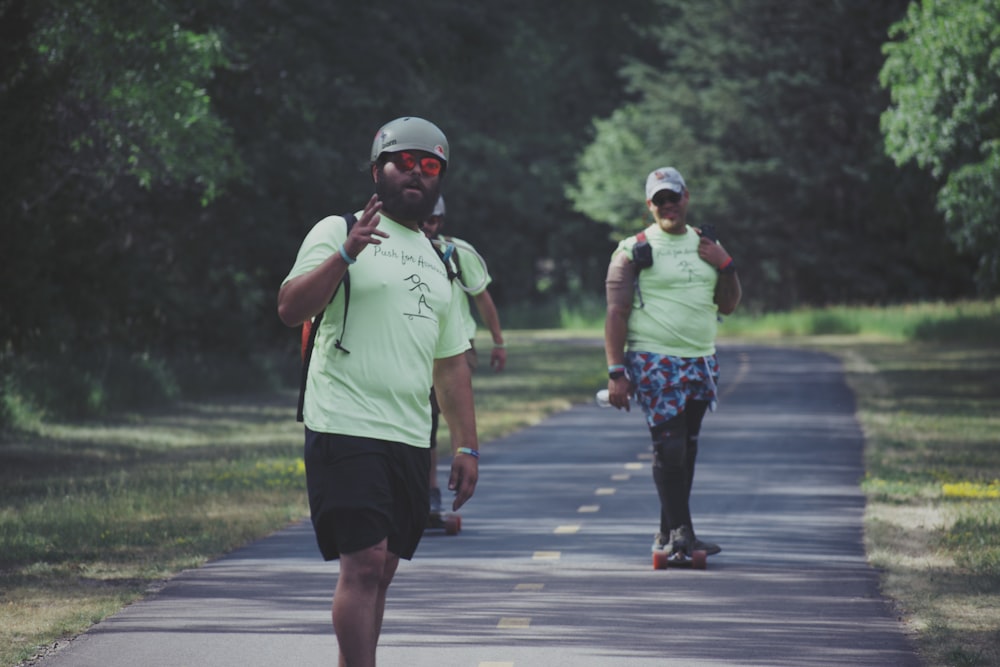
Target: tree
{"x":162,"y":161}
{"x":943,"y":74}
{"x":770,"y":110}
{"x":108,"y":105}
{"x":106,"y":123}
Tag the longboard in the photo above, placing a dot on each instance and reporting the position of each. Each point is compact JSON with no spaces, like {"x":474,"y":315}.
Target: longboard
{"x":451,"y":523}
{"x":662,"y":560}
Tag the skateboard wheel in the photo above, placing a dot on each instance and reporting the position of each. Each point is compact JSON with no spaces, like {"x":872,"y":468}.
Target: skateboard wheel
{"x":699,"y":560}
{"x":452,"y":525}
{"x":659,"y":560}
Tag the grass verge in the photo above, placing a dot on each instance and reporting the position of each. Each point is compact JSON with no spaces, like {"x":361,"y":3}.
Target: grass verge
{"x":931,"y":414}
{"x":92,"y":514}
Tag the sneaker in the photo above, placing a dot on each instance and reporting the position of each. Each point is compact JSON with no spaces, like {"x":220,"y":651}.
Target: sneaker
{"x":436,"y":500}
{"x":681,"y":540}
{"x":660,"y":542}
{"x":709,"y":548}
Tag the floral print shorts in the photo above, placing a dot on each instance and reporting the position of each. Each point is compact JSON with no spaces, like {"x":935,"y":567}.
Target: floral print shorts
{"x":663,"y":384}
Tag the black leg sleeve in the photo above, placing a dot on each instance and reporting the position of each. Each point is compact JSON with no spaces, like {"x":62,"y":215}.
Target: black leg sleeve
{"x":694,"y":414}
{"x":670,"y":473}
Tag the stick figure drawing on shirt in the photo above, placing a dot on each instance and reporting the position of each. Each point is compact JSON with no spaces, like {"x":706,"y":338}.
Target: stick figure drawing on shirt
{"x":422,"y":287}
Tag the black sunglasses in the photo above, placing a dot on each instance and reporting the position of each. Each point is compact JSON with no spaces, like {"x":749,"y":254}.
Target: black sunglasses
{"x":664,"y":196}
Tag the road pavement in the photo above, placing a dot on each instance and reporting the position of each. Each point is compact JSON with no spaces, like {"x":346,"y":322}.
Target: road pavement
{"x":553,"y":564}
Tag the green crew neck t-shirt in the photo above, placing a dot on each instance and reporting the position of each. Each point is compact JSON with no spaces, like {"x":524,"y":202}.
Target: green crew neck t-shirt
{"x":677,"y":315}
{"x":475,"y":277}
{"x":403,"y":316}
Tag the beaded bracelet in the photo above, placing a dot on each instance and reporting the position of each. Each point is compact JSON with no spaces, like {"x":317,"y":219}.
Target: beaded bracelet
{"x":474,"y":453}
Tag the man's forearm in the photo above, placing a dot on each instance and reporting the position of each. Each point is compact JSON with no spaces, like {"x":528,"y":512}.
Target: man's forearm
{"x":304,"y":296}
{"x":453,"y":387}
{"x":615,"y":332}
{"x":728,"y":292}
{"x":491,"y":318}
{"x":619,"y":288}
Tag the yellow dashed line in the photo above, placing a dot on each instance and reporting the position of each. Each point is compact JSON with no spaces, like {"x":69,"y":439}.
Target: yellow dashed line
{"x":605,"y":491}
{"x":633,"y":466}
{"x":647,"y":456}
{"x":589,"y":509}
{"x":621,"y":477}
{"x":567,"y":530}
{"x":509,"y":622}
{"x":546,"y":555}
{"x":529,"y":587}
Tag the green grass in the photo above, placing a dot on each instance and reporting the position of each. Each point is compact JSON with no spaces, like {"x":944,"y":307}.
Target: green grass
{"x":931,"y":413}
{"x":93,"y":513}
{"x":974,"y":322}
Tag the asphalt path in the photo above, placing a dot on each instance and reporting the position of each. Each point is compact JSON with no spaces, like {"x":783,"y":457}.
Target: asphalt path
{"x":553,"y":563}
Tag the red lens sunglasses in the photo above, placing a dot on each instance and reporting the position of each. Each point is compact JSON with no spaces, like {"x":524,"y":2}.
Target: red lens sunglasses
{"x":406,"y":161}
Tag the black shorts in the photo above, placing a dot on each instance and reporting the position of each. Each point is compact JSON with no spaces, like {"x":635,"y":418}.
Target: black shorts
{"x":363,"y":490}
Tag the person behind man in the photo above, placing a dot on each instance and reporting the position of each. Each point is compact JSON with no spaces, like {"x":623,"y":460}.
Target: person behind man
{"x":663,"y":301}
{"x":473,"y":278}
{"x":366,"y":414}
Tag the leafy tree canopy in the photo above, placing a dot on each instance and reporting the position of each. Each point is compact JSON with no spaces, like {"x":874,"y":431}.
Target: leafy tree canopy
{"x":770,"y":110}
{"x":943,"y":73}
{"x":163,"y":160}
{"x":133,"y":99}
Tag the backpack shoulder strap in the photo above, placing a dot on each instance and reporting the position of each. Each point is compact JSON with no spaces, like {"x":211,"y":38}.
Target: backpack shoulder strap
{"x":444,"y":256}
{"x":346,"y":282}
{"x":309,"y":338}
{"x":640,"y":263}
{"x":455,"y":258}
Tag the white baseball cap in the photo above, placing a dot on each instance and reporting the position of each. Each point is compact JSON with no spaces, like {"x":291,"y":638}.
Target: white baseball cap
{"x":664,"y":178}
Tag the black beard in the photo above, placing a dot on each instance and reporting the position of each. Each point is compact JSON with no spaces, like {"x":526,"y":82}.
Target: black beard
{"x":398,"y":208}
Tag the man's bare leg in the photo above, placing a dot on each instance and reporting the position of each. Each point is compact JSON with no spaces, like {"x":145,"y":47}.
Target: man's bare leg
{"x":359,"y":603}
{"x":391,"y":563}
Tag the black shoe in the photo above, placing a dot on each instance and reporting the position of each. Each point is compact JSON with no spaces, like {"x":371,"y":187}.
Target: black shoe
{"x":681,"y":541}
{"x":709,"y":548}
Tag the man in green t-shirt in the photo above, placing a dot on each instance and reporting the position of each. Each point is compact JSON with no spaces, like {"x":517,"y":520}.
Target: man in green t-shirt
{"x":471,"y":282}
{"x":366,"y":411}
{"x":665,"y":289}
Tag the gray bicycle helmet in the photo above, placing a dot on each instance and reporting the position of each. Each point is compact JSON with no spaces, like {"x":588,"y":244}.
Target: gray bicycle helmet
{"x":410,"y":133}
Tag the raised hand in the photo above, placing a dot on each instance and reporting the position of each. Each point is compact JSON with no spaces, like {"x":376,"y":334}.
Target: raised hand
{"x":366,"y":232}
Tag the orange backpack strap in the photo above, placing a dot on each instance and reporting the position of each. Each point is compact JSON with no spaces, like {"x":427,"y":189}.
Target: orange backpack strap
{"x":311,"y":327}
